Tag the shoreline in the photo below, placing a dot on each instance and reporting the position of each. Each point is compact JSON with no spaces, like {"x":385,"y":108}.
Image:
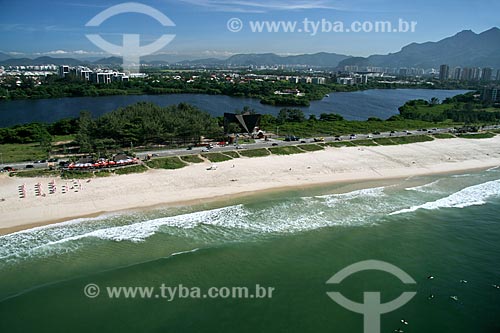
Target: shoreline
{"x":239,"y":178}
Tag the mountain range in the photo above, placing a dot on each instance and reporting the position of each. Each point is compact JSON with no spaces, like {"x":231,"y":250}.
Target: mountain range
{"x":463,"y":49}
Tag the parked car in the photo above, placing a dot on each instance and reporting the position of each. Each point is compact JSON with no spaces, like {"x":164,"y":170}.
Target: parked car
{"x":353,"y":136}
{"x":376,"y":133}
{"x":338,"y":138}
{"x":205,"y":150}
{"x":274,"y":144}
{"x":29,"y":166}
{"x":8,"y":169}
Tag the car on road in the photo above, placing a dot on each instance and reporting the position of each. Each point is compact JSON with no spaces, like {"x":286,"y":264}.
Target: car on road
{"x":338,"y":138}
{"x":376,"y":133}
{"x":292,"y":138}
{"x":319,"y":139}
{"x":303,"y":141}
{"x":353,"y":137}
{"x":369,"y":136}
{"x":274,"y":144}
{"x":205,"y":150}
{"x":29,"y":166}
{"x":8,"y":169}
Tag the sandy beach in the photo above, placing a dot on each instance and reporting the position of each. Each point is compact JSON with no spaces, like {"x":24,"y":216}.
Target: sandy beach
{"x":236,"y":177}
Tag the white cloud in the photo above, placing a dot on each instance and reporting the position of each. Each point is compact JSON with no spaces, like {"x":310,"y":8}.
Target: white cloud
{"x":260,"y":6}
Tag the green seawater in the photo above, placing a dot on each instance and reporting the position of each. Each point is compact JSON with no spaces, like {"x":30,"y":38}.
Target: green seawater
{"x":445,"y":226}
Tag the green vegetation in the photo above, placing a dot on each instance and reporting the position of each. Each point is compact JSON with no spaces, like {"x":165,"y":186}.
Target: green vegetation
{"x":103,"y":173}
{"x":485,"y":135}
{"x":254,"y":152}
{"x":166,"y":163}
{"x":289,"y":150}
{"x":339,"y":144}
{"x":36,"y":173}
{"x":233,"y":154}
{"x":192,"y":159}
{"x":143,"y":124}
{"x":311,"y":147}
{"x":402,"y":140}
{"x":459,"y":109}
{"x":216,"y":157}
{"x":131,"y":169}
{"x":76,"y":175}
{"x":21,"y":152}
{"x":365,"y":143}
{"x":443,"y":136}
{"x":385,"y":142}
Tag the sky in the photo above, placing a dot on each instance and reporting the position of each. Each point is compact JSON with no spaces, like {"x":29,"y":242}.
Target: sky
{"x":58,"y":27}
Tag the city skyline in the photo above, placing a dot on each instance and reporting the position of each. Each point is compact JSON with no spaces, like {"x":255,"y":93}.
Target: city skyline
{"x":55,"y":28}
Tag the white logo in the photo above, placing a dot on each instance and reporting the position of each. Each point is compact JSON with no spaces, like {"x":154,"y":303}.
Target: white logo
{"x":371,"y":308}
{"x":131,"y":50}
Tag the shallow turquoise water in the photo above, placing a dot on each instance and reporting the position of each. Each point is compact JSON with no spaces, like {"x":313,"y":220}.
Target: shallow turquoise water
{"x":445,"y":226}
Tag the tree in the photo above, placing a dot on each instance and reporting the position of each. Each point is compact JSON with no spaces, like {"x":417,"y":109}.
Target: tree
{"x":85,"y":133}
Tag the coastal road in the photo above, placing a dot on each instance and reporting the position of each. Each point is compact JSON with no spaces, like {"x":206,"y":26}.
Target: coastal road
{"x":263,"y":144}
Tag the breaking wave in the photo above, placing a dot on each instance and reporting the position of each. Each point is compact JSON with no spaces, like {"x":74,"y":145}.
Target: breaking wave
{"x":470,"y":196}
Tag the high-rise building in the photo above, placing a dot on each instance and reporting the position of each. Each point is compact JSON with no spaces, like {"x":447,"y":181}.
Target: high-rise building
{"x":486,"y":74}
{"x":498,"y":74}
{"x":444,"y":72}
{"x":476,"y":73}
{"x":491,"y":94}
{"x":63,"y":70}
{"x":457,"y":73}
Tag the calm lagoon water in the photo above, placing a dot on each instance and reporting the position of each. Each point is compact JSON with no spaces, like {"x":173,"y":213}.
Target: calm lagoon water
{"x":359,"y":105}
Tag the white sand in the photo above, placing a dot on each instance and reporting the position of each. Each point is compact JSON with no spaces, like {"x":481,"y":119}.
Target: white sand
{"x":194,"y":183}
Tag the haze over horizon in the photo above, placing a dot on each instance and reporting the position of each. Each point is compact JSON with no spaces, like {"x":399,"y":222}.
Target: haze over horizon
{"x":55,"y":28}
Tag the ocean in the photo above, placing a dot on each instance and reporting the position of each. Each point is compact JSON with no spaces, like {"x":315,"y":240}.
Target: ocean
{"x":442,"y":230}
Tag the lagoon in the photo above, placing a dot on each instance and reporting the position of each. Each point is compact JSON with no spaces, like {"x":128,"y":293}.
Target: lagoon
{"x":358,"y":105}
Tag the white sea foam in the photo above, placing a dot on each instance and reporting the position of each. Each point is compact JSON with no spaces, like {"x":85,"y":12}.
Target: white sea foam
{"x":470,"y":196}
{"x":497,"y":168}
{"x":367,"y":192}
{"x":426,"y":188}
{"x":138,"y":232}
{"x":48,"y":239}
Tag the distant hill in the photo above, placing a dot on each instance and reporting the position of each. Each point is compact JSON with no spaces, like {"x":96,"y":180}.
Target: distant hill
{"x":464,"y":49}
{"x":41,"y":61}
{"x":4,"y":56}
{"x":321,"y":59}
{"x":109,"y":61}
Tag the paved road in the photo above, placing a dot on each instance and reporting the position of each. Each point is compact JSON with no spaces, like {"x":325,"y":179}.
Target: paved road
{"x":262,"y":144}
